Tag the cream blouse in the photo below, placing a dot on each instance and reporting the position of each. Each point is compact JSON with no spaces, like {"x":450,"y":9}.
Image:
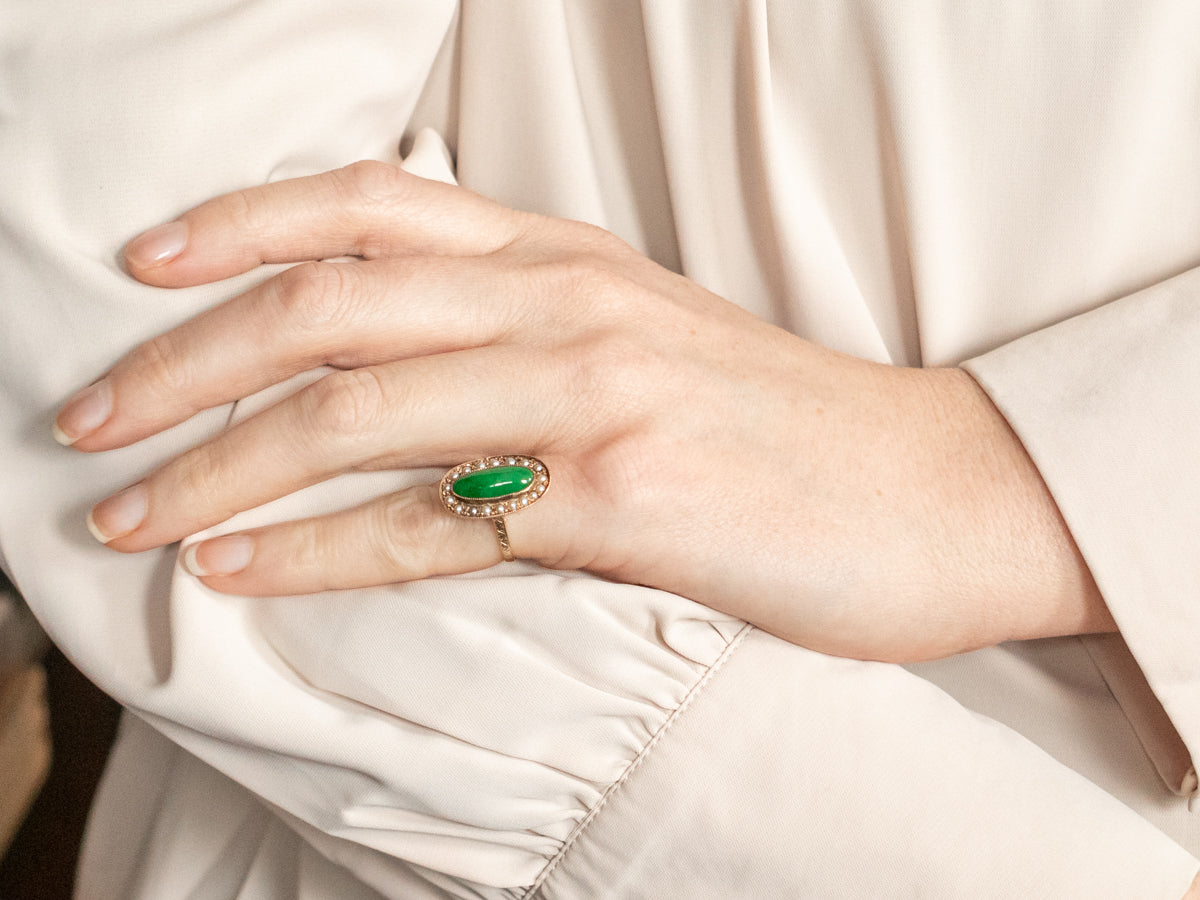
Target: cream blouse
{"x":920,"y":183}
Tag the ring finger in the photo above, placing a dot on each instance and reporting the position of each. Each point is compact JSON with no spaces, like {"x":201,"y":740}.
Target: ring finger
{"x":399,"y":537}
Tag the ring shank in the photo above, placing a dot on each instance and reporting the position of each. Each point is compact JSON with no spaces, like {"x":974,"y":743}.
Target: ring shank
{"x":502,"y":539}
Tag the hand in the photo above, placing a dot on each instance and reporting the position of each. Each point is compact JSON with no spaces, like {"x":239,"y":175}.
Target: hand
{"x":855,"y":508}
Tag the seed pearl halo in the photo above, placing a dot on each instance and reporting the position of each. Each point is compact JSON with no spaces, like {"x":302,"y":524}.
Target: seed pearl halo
{"x":493,"y":507}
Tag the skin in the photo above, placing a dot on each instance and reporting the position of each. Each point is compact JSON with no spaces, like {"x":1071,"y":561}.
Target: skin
{"x":857,"y":509}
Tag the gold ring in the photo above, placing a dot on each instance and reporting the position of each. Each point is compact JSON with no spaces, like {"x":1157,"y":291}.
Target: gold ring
{"x":493,"y":487}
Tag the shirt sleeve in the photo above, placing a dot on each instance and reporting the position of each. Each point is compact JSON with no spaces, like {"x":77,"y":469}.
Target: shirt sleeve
{"x":1106,"y":405}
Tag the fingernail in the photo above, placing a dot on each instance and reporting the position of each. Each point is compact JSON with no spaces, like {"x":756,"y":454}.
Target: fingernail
{"x":226,"y":555}
{"x":119,"y":514}
{"x":159,"y":245}
{"x":84,"y":413}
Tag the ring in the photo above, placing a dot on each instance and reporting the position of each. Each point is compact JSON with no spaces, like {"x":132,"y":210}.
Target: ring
{"x":493,"y":487}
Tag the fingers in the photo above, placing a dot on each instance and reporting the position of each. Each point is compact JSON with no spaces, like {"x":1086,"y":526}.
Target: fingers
{"x":425,"y":411}
{"x":339,"y":314}
{"x":368,"y":209}
{"x":445,"y":286}
{"x":399,"y":537}
{"x":442,"y":342}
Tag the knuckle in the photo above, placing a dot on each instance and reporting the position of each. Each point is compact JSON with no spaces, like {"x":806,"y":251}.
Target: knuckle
{"x":240,"y":208}
{"x":311,"y":544}
{"x":370,"y":191}
{"x":370,"y":180}
{"x":572,"y":286}
{"x":409,"y":535}
{"x":608,"y":353}
{"x":203,"y":478}
{"x":592,"y":283}
{"x":314,"y":296}
{"x":578,"y":274}
{"x":597,"y":240}
{"x":578,"y":236}
{"x":611,"y":374}
{"x":346,"y":405}
{"x":163,"y":367}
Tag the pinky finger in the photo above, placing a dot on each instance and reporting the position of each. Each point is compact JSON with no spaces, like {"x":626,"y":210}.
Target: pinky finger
{"x":398,"y":537}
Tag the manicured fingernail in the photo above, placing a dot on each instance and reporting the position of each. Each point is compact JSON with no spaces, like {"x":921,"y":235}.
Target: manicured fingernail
{"x":225,"y":555}
{"x":119,"y":514}
{"x":84,"y":413}
{"x":159,"y":245}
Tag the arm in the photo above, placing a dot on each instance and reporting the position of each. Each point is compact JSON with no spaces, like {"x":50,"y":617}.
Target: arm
{"x":878,"y":512}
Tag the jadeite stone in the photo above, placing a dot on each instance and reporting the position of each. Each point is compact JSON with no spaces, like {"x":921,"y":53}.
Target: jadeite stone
{"x":498,"y":481}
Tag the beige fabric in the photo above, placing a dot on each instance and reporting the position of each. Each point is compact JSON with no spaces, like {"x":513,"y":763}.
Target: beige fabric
{"x":772,"y":725}
{"x":914,"y":183}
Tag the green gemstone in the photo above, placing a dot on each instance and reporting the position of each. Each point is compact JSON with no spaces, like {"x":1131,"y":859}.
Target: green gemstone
{"x":497,"y":481}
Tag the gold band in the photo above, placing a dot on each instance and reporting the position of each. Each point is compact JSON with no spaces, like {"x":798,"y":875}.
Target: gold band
{"x":493,"y":487}
{"x":502,"y":538}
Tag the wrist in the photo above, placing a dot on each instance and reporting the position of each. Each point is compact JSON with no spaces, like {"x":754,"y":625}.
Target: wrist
{"x":1012,"y":551}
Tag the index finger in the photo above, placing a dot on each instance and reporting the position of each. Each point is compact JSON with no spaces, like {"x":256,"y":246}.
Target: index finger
{"x":368,"y":209}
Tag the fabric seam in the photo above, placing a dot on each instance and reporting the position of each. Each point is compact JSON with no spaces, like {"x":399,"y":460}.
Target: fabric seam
{"x":1186,"y":786}
{"x":578,"y":831}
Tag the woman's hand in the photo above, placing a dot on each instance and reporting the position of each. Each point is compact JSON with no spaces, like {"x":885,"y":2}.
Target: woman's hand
{"x":855,"y":508}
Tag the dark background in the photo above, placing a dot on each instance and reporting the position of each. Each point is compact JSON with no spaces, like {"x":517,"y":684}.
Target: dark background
{"x":40,"y":864}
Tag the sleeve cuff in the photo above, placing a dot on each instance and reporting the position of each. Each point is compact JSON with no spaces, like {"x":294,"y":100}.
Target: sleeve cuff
{"x":1107,"y":404}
